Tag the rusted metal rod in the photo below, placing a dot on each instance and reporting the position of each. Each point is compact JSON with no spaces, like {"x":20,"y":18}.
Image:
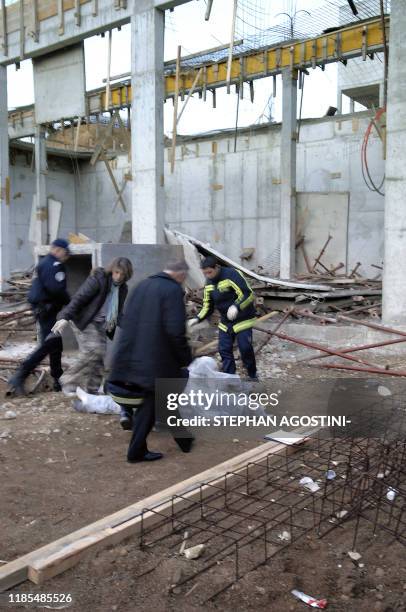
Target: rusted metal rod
{"x":317,"y":260}
{"x":315,"y":346}
{"x":369,"y":370}
{"x":382,"y":328}
{"x":354,"y":349}
{"x":305,"y":312}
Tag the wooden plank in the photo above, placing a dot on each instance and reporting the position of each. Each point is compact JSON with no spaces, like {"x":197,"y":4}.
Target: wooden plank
{"x":35,"y":30}
{"x":191,"y":91}
{"x":115,"y":527}
{"x":78,"y":16}
{"x":230,"y":52}
{"x":58,"y":562}
{"x":61,"y":18}
{"x":4,"y":26}
{"x":113,"y":180}
{"x":22,"y":30}
{"x":175,"y":110}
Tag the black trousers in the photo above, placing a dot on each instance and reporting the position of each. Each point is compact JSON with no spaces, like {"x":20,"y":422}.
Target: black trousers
{"x":52,"y":347}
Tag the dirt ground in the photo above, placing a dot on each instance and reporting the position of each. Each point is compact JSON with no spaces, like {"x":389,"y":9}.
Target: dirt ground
{"x":61,"y":470}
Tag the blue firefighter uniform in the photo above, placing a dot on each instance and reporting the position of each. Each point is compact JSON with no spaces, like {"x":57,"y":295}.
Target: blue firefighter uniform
{"x":227,"y":289}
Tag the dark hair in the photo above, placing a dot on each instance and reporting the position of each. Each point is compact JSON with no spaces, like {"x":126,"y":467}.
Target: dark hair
{"x":209,"y":262}
{"x":123,"y":264}
{"x":177,"y":265}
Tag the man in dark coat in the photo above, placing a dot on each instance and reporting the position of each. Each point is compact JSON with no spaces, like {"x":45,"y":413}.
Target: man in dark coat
{"x":151,"y":344}
{"x":47,"y":297}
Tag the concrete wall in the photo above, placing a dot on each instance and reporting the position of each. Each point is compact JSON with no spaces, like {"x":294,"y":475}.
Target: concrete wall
{"x":232,"y":199}
{"x":228,"y":199}
{"x":96,"y":197}
{"x":61,"y":185}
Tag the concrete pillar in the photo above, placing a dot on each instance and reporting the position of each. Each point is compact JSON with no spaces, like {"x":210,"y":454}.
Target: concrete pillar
{"x":4,"y":182}
{"x":41,"y":171}
{"x":339,"y":102}
{"x":147,"y":124}
{"x":288,"y":174}
{"x":394,"y":275}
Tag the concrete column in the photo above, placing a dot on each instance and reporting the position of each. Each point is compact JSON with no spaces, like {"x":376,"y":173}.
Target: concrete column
{"x":394,"y":275}
{"x":288,"y":174}
{"x":4,"y":182}
{"x":147,"y":124}
{"x":41,"y":171}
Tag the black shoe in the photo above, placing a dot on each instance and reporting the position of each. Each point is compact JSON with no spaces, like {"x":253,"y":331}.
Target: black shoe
{"x":185,"y":444}
{"x":126,"y":422}
{"x":16,"y":385}
{"x":149,"y":456}
{"x":57,"y":387}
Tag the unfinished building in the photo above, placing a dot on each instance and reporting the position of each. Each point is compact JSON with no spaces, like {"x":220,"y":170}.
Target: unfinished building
{"x":310,"y":210}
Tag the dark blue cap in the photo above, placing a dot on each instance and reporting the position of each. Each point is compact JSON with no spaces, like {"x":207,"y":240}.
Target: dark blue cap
{"x":61,"y":242}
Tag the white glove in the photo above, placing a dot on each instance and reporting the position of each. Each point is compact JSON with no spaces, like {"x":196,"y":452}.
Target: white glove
{"x":191,"y":323}
{"x":59,"y":327}
{"x":232,"y":313}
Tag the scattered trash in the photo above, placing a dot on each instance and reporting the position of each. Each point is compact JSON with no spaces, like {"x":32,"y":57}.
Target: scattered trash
{"x":5,"y":434}
{"x":330,"y":474}
{"x":341,"y":513}
{"x":310,"y":601}
{"x":354,"y":556}
{"x":391,"y":494}
{"x":384,"y":391}
{"x":383,"y":474}
{"x":183,"y":545}
{"x":100,"y":404}
{"x":285,"y":536}
{"x":309,"y":484}
{"x":194,"y":552}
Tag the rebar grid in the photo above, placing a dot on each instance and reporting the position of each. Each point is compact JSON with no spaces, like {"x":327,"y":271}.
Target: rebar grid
{"x":242,"y":516}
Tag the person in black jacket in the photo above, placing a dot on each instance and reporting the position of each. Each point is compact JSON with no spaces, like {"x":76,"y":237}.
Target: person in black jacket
{"x":47,"y":295}
{"x":227,"y":290}
{"x":151,"y":344}
{"x":95,"y":311}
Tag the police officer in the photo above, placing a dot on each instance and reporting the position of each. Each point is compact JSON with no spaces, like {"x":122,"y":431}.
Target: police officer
{"x":227,"y":290}
{"x":47,"y":296}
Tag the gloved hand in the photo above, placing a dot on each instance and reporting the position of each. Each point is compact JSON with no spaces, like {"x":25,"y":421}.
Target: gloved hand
{"x":59,"y":326}
{"x":232,"y":313}
{"x":191,"y":323}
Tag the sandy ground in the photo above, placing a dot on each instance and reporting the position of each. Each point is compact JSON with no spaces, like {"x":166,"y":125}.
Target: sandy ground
{"x":61,"y":470}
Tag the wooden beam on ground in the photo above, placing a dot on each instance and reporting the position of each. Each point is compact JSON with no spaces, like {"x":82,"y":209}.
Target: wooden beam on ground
{"x":53,"y":559}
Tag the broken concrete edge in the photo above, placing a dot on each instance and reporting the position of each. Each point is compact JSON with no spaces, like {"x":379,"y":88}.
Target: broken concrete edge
{"x":64,"y":553}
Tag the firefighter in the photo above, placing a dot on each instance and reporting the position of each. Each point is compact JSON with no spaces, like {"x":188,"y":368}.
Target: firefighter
{"x":227,"y":290}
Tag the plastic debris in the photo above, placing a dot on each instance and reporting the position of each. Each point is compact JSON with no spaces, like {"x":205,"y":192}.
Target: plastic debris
{"x":10,"y":414}
{"x":194,"y":552}
{"x":341,"y":513}
{"x":309,"y":484}
{"x":384,"y":391}
{"x":391,"y":494}
{"x":330,"y":474}
{"x":354,"y":556}
{"x":321,"y":604}
{"x":285,"y":536}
